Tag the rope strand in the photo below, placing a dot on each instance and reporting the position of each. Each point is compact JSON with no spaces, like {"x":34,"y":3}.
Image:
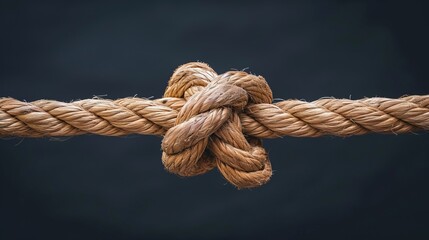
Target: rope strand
{"x":338,"y":117}
{"x":210,"y":120}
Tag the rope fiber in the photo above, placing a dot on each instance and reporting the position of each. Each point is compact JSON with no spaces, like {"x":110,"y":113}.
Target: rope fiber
{"x":210,"y":120}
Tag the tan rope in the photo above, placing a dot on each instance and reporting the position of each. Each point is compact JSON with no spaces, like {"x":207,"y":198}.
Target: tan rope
{"x":210,"y":120}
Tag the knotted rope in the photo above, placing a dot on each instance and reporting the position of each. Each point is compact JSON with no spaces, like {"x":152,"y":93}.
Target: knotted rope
{"x":210,"y":120}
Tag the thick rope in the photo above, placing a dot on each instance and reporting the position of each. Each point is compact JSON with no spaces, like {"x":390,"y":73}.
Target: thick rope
{"x":210,"y":120}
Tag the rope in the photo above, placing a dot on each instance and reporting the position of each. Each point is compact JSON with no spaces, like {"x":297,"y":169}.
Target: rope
{"x":210,"y":120}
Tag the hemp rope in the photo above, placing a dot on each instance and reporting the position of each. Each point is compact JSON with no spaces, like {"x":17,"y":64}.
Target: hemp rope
{"x":210,"y":120}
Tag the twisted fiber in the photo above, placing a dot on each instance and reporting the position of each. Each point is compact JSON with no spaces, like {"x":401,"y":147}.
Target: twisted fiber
{"x":210,"y":120}
{"x":339,"y":117}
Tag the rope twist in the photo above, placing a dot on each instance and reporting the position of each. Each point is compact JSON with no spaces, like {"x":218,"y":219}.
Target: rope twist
{"x":208,"y":130}
{"x":210,"y":120}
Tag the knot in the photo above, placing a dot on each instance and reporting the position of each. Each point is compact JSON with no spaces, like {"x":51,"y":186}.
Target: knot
{"x":208,"y":131}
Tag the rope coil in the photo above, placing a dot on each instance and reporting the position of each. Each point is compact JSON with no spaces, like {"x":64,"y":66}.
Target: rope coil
{"x":210,"y":120}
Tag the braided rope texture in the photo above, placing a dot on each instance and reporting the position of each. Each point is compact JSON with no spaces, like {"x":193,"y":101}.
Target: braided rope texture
{"x":210,"y":120}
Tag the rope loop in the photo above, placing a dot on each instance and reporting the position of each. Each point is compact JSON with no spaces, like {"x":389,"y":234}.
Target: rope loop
{"x":208,"y":132}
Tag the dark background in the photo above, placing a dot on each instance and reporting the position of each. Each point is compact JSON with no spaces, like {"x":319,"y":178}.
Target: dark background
{"x":364,"y":187}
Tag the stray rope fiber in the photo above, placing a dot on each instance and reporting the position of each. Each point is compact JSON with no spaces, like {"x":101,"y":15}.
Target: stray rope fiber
{"x":210,"y":120}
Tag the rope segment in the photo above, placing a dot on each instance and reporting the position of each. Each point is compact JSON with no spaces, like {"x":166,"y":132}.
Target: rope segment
{"x":210,"y":120}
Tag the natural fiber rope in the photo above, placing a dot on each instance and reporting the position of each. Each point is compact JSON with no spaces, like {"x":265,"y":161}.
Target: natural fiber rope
{"x":210,"y":120}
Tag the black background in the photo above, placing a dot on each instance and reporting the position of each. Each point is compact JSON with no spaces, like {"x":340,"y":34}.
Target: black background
{"x":373,"y":186}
